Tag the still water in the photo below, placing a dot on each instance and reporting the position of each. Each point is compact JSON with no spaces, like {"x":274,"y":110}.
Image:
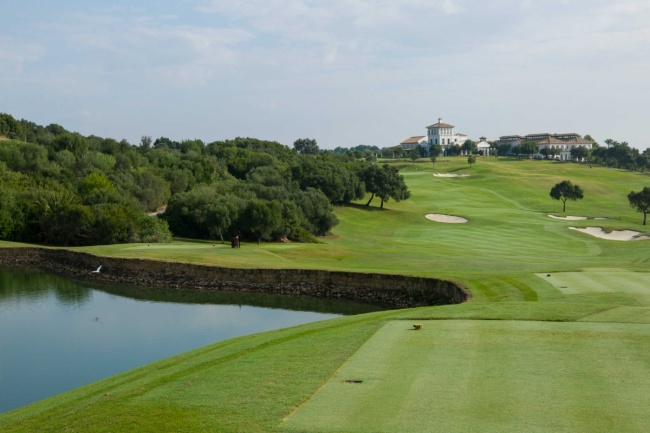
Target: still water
{"x":57,"y":334}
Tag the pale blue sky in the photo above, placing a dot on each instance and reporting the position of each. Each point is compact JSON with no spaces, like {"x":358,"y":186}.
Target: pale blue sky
{"x":344,"y":72}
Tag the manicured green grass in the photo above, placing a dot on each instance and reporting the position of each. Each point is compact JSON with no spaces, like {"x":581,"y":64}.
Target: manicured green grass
{"x":530,"y":352}
{"x":488,"y":376}
{"x":634,"y":284}
{"x":508,"y":233}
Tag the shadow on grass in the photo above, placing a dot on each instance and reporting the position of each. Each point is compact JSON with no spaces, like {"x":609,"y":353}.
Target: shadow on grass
{"x":199,"y":241}
{"x":362,"y":206}
{"x":458,"y":169}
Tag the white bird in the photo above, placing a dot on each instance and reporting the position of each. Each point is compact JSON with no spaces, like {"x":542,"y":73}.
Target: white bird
{"x":96,"y":271}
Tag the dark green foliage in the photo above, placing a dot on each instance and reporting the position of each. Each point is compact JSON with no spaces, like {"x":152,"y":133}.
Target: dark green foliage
{"x":306,"y":146}
{"x":504,"y":149}
{"x":385,"y":182}
{"x":230,"y":208}
{"x":471,"y":160}
{"x":435,"y":150}
{"x":10,"y":127}
{"x":469,"y":146}
{"x":74,"y":143}
{"x":317,"y":211}
{"x":260,"y":218}
{"x":203,"y":213}
{"x":336,"y":181}
{"x":11,"y":214}
{"x":621,"y":155}
{"x":63,"y":188}
{"x":640,"y":201}
{"x":151,"y":190}
{"x":564,"y":191}
{"x":579,"y":153}
{"x":528,"y":148}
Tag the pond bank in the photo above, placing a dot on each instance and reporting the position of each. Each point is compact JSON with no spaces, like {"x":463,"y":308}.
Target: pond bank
{"x":391,"y":291}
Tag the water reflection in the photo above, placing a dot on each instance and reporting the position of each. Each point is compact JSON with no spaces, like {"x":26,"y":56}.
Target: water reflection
{"x":57,"y":334}
{"x":26,"y":284}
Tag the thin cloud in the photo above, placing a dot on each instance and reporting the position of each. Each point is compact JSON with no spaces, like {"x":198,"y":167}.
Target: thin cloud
{"x":15,"y":55}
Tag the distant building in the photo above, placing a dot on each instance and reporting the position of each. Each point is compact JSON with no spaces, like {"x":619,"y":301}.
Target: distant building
{"x":413,"y":142}
{"x":483,"y":146}
{"x":444,"y":135}
{"x":560,"y":144}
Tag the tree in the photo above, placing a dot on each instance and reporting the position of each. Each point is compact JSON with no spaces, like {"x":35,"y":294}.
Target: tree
{"x":415,"y":155}
{"x":10,"y":126}
{"x":435,"y":150}
{"x":262,"y":217}
{"x":590,"y":138}
{"x":306,"y":146}
{"x":469,"y":146}
{"x":433,"y":159}
{"x":11,"y":213}
{"x":471,"y":160}
{"x":385,"y":182}
{"x":145,"y":141}
{"x":544,"y":152}
{"x":528,"y":148}
{"x":504,"y":148}
{"x":640,"y":201}
{"x":579,"y":153}
{"x":75,"y":143}
{"x":564,"y":191}
{"x":552,"y":151}
{"x":220,"y":215}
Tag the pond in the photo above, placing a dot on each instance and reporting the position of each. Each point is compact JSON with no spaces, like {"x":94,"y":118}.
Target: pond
{"x":57,"y":334}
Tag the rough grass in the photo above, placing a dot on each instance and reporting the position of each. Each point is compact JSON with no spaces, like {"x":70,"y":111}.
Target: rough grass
{"x":529,"y":353}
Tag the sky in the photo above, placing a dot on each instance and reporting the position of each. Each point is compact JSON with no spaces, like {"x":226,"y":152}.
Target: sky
{"x":344,"y":72}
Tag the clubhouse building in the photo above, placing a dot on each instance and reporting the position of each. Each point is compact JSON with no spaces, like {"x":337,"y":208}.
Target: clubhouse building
{"x":561,"y":144}
{"x":444,"y":135}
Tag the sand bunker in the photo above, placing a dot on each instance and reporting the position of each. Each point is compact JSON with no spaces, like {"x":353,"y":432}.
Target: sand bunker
{"x":450,"y":175}
{"x":614,"y":235}
{"x":441,"y":218}
{"x":573,"y":218}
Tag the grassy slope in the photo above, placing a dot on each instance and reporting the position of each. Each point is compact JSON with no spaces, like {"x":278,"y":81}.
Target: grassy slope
{"x":250,"y":384}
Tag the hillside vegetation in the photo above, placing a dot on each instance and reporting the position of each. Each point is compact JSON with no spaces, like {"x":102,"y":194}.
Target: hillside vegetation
{"x":61,"y":188}
{"x":554,"y":339}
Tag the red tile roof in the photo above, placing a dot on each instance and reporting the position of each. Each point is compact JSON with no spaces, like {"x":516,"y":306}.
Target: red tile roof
{"x":415,"y":139}
{"x":440,"y":125}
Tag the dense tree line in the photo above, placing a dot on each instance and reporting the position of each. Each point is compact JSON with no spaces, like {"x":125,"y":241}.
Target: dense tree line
{"x":620,"y":155}
{"x":59,"y":187}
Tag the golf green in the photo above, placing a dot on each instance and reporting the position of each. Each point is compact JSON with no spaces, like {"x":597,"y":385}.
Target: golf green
{"x":634,"y":284}
{"x":488,"y":376}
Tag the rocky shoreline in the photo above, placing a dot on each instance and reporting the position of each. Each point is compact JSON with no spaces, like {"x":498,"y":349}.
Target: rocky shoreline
{"x":391,"y":291}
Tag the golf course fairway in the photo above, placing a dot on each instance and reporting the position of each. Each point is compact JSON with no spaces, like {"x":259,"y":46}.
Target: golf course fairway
{"x":556,"y":337}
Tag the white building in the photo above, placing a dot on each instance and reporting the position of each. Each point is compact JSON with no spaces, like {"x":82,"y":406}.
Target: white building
{"x":444,"y":135}
{"x":559,"y":144}
{"x":413,"y":142}
{"x":483,"y":146}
